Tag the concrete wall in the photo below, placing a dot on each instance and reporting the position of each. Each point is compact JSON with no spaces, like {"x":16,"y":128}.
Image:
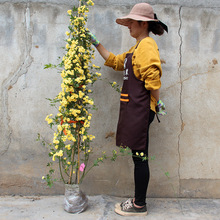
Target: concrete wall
{"x":185,"y":143}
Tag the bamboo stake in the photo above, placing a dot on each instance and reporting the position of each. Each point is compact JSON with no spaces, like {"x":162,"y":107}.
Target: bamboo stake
{"x":78,"y":157}
{"x":71,"y":171}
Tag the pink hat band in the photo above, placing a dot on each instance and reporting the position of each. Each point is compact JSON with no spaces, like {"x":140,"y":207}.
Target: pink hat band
{"x":140,"y":12}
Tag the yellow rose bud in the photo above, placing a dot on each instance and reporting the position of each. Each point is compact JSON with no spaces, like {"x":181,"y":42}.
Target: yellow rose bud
{"x":69,"y":12}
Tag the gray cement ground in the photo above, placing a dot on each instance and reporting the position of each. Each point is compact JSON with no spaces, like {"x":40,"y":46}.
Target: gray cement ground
{"x":102,"y":208}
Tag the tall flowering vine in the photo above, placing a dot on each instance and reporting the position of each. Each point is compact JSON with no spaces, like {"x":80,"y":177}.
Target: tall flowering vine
{"x":71,"y":142}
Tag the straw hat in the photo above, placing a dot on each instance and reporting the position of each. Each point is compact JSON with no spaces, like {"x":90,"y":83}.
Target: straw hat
{"x":140,"y":12}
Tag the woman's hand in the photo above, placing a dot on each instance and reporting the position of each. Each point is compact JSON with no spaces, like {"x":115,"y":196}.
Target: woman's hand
{"x":101,"y":49}
{"x":94,"y":40}
{"x":160,"y":108}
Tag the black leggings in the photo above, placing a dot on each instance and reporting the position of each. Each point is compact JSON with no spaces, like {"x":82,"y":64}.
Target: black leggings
{"x":141,"y":171}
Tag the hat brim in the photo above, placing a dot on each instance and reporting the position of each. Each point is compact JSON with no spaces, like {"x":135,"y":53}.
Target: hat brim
{"x":126,"y":19}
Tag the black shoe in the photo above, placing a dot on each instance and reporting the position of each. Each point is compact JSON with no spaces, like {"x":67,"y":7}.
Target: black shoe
{"x":127,"y":208}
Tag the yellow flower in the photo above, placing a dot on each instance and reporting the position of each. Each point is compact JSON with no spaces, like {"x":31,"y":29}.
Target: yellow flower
{"x":67,"y":33}
{"x":69,"y":12}
{"x":68,"y":147}
{"x":78,"y":79}
{"x":87,"y":124}
{"x":114,"y":83}
{"x":90,"y":2}
{"x":137,"y":153}
{"x":56,"y":142}
{"x":73,"y":139}
{"x":82,"y":130}
{"x":90,"y":102}
{"x":43,"y":177}
{"x":59,"y":128}
{"x":64,"y":138}
{"x":91,"y":137}
{"x":89,"y":81}
{"x":96,"y":67}
{"x":49,"y":120}
{"x":81,"y":94}
{"x":98,"y":74}
{"x":84,"y":138}
{"x":60,"y":153}
{"x":54,"y":156}
{"x":81,"y":50}
{"x":142,"y":154}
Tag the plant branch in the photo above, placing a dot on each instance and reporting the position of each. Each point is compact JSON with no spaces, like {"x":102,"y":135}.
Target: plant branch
{"x":78,"y":145}
{"x":72,"y":164}
{"x":61,"y":171}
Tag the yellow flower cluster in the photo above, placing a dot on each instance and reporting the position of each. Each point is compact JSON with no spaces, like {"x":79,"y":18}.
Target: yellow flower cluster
{"x":48,"y":119}
{"x":59,"y":154}
{"x":141,"y":154}
{"x":78,"y":75}
{"x":114,"y":83}
{"x":90,"y":2}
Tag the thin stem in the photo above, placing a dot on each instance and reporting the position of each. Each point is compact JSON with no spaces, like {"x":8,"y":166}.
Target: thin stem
{"x":86,"y":173}
{"x":76,"y":176}
{"x":78,"y":155}
{"x":72,"y":161}
{"x":61,"y":171}
{"x":86,"y":163}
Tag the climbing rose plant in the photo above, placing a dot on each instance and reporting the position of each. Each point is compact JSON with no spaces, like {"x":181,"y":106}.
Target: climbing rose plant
{"x":71,"y":142}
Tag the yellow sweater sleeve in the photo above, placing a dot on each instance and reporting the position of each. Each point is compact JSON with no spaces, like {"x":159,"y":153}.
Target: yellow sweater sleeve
{"x":147,"y":65}
{"x":117,"y":61}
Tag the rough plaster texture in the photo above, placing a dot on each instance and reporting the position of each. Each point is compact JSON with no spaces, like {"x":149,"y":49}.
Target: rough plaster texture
{"x":185,"y":143}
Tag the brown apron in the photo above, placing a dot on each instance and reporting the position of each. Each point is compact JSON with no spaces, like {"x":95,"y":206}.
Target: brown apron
{"x":134,"y":110}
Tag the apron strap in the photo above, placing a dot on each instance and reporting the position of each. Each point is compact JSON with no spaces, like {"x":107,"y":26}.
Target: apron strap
{"x":157,"y":118}
{"x":137,"y":45}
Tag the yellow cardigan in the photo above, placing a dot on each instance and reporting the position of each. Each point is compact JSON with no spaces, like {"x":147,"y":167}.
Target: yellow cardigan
{"x":146,"y":64}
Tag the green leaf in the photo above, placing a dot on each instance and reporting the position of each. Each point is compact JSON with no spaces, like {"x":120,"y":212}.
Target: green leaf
{"x":153,"y":158}
{"x":95,"y":163}
{"x":167,"y":174}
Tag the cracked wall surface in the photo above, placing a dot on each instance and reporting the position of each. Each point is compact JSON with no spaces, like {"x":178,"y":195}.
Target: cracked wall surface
{"x":185,"y":143}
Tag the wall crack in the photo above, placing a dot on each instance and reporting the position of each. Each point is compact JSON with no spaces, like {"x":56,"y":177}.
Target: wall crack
{"x":12,"y":80}
{"x":181,"y":90}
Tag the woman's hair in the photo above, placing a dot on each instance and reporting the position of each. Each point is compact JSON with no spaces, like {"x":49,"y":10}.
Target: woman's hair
{"x":155,"y":27}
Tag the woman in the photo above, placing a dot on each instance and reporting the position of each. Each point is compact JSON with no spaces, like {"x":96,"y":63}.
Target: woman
{"x":139,"y":96}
